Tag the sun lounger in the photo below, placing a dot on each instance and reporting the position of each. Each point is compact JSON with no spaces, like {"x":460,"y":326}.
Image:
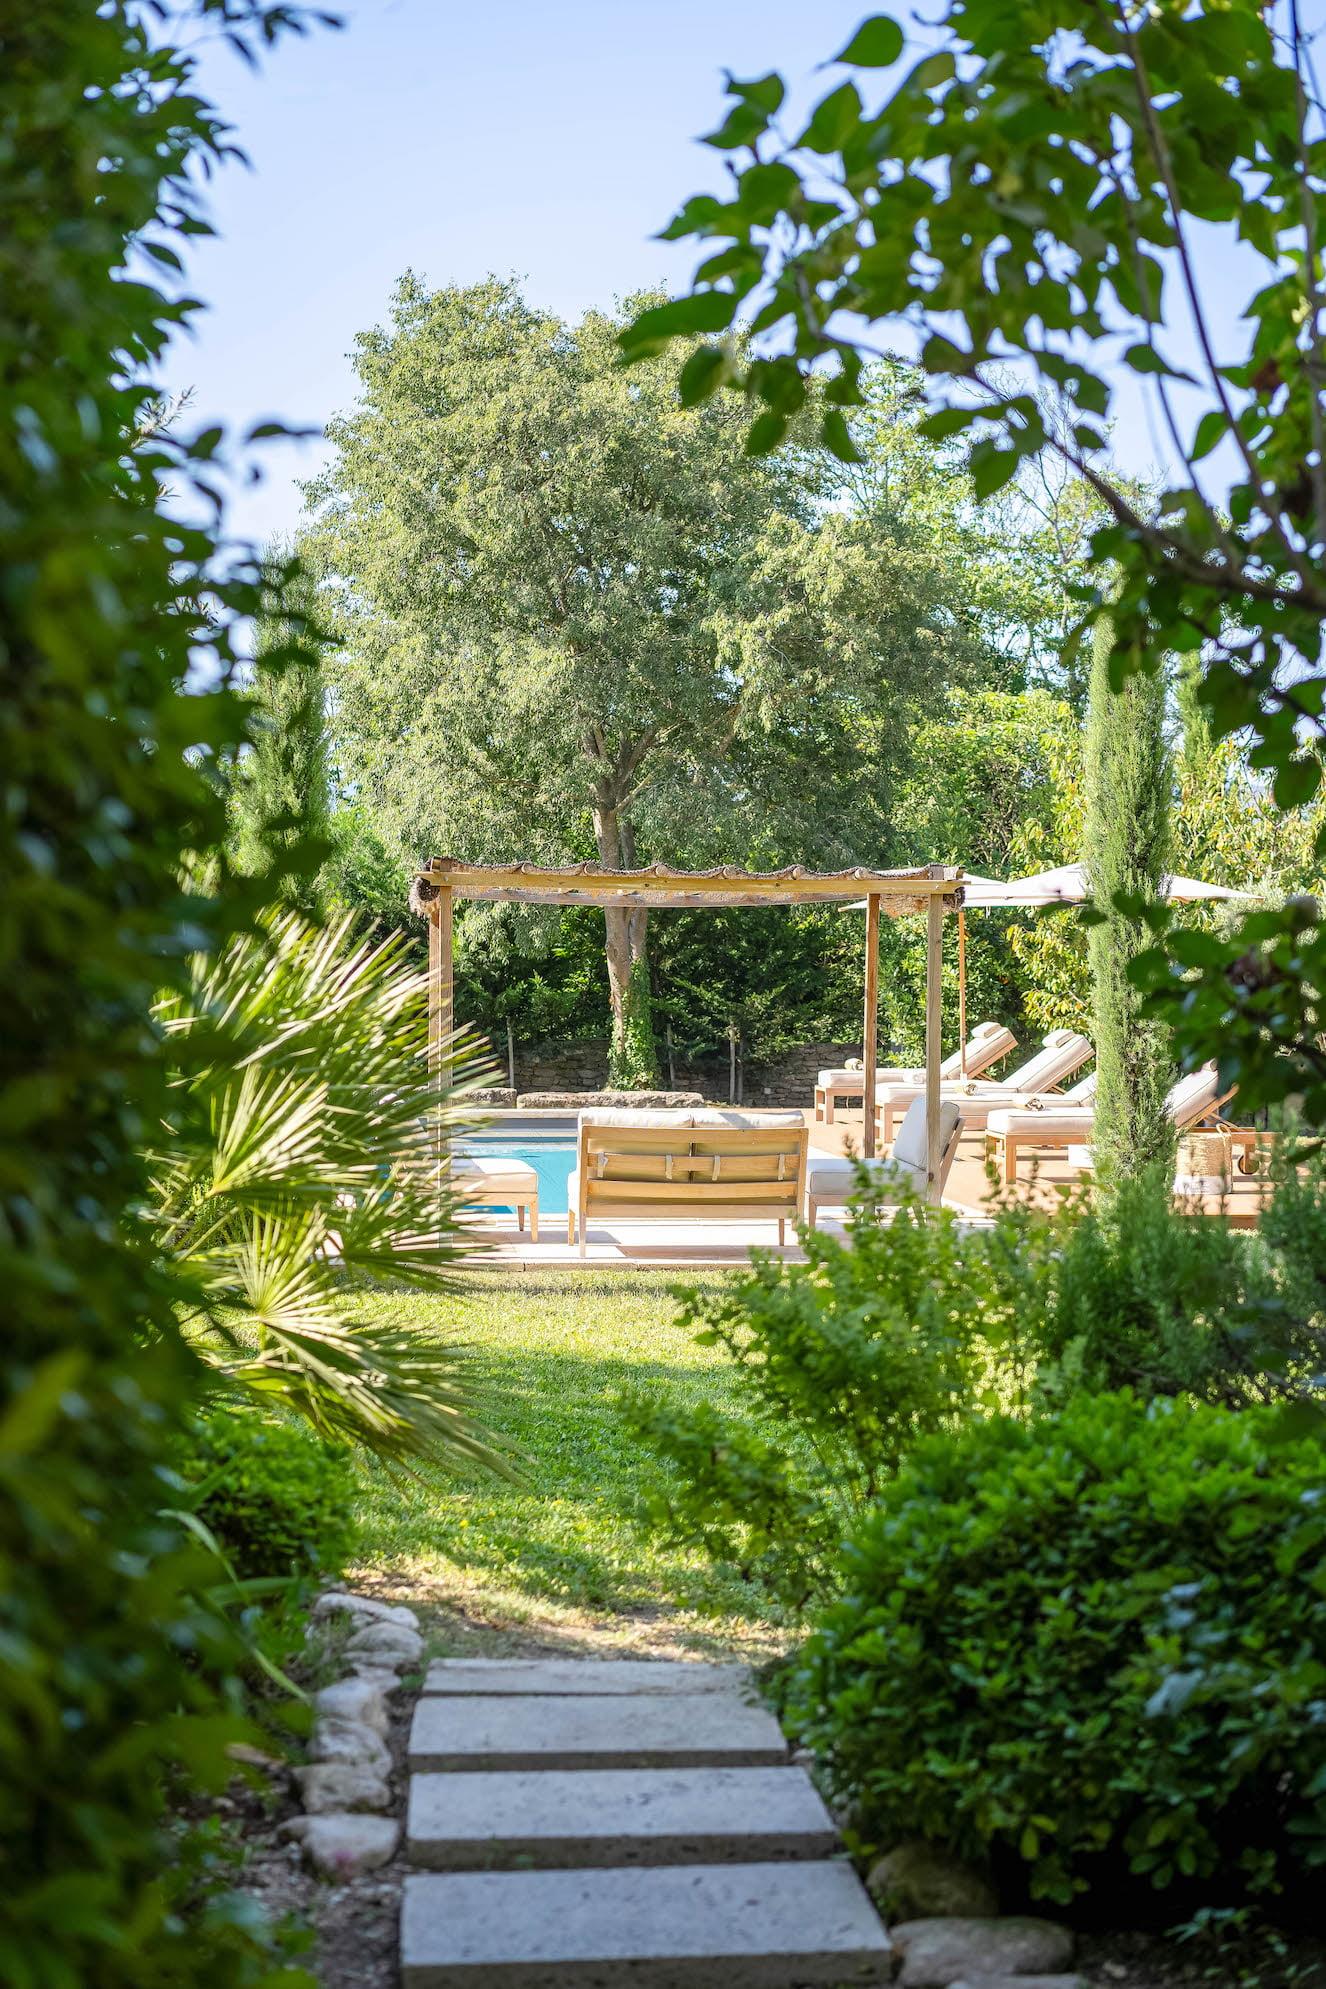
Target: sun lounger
{"x":664,"y":1166}
{"x":1056,"y":1123}
{"x":1062,"y":1053}
{"x":986,"y":1046}
{"x":831,"y":1179}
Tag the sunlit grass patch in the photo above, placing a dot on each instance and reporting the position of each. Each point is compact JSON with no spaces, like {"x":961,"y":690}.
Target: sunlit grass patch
{"x":558,"y":1551}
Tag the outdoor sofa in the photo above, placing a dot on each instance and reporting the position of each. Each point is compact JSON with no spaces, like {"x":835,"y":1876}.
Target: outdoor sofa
{"x":707,"y":1165}
{"x":987,"y":1044}
{"x":1062,"y":1053}
{"x":832,"y":1178}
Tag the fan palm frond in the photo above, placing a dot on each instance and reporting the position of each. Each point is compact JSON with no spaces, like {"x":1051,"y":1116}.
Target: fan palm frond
{"x":309,"y":1153}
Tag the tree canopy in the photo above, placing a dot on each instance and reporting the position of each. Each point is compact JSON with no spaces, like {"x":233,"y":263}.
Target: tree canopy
{"x":575,"y":616}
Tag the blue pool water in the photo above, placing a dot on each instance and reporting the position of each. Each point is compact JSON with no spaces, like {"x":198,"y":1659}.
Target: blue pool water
{"x":552,"y":1160}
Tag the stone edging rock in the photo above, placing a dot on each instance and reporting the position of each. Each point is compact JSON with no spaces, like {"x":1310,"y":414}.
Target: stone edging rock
{"x":945,"y":1925}
{"x":346,"y":1827}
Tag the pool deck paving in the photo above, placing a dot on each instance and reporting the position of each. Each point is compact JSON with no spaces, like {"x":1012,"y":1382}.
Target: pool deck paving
{"x":718,"y":1869}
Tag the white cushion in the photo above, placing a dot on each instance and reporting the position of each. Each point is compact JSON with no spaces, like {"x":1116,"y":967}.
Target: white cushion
{"x":1054,"y":1124}
{"x":633,"y":1115}
{"x":476,"y":1171}
{"x":910,"y":1148}
{"x":734,"y":1121}
{"x":838,"y":1176}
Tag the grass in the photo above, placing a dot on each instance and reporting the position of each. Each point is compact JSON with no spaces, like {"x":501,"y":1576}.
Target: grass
{"x":557,"y":1558}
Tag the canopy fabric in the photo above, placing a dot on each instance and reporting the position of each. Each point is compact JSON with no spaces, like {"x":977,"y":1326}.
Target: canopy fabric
{"x":1069,"y":885}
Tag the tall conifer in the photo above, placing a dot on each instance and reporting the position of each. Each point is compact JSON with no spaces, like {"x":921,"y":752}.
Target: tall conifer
{"x":1127,"y":850}
{"x":281,"y":799}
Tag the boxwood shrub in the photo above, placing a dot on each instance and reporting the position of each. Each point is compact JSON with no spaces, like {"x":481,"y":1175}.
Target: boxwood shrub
{"x":1089,"y":1645}
{"x":278,"y":1499}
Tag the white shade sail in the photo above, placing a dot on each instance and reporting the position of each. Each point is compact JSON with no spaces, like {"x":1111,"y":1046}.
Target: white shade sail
{"x":1068,"y":885}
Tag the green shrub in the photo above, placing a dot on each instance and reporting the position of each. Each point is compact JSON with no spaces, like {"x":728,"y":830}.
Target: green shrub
{"x":1152,"y":1299}
{"x":848,"y":1358}
{"x":1163,"y":1302}
{"x":1088,"y":1645}
{"x":112,"y":595}
{"x":278,"y":1499}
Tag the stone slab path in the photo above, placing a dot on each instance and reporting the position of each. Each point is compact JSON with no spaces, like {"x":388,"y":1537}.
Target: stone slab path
{"x":616,"y":1816}
{"x":584,"y":1824}
{"x":648,"y":1730}
{"x":580,"y":1677}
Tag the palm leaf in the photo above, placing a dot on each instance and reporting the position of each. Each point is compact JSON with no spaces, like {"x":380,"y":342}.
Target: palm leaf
{"x":308,"y":1153}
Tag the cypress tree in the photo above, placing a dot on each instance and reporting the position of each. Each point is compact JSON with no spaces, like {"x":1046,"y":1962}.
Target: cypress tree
{"x":1127,"y":849}
{"x":281,"y":796}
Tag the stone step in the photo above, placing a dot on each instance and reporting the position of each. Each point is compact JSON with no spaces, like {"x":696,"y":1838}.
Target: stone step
{"x":694,"y":1730}
{"x":615,"y":1816}
{"x":484,"y":1677}
{"x":757,"y":1926}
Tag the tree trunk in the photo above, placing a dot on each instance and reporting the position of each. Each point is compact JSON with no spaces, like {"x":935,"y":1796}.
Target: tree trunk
{"x":632,"y":1059}
{"x":1127,"y":846}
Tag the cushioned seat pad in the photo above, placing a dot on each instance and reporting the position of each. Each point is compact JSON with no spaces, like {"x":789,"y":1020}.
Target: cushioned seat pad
{"x":474,"y":1171}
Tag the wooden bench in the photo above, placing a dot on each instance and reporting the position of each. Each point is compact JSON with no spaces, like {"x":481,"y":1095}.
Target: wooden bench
{"x":709,"y":1165}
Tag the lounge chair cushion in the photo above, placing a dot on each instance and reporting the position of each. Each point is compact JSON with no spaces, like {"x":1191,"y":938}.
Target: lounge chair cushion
{"x":986,"y":1045}
{"x":1056,"y":1124}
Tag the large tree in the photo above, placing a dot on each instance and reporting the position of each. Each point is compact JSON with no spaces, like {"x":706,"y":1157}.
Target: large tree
{"x":577,"y":617}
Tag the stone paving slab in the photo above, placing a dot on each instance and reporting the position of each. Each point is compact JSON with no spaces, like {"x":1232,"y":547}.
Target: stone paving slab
{"x":581,"y":1676}
{"x":615,"y":1816}
{"x":758,"y":1926}
{"x":694,"y":1730}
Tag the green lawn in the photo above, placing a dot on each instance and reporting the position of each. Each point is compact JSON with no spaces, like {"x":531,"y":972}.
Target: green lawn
{"x":557,"y":1557}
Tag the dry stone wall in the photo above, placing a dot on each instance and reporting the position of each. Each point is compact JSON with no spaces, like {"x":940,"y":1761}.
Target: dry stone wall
{"x":787,"y":1079}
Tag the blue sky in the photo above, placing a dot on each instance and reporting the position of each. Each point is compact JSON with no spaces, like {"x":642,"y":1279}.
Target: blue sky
{"x":546,"y":141}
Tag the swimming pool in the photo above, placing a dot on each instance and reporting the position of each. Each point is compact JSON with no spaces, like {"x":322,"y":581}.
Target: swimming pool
{"x":552,"y":1155}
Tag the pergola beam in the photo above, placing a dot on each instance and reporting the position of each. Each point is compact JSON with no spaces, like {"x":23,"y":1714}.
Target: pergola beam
{"x":659,"y":887}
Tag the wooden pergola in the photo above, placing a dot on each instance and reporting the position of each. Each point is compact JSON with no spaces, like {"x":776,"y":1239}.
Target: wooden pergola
{"x":933,"y":890}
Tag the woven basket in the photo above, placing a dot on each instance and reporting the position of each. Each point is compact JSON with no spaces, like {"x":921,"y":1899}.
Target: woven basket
{"x":1206,"y":1154}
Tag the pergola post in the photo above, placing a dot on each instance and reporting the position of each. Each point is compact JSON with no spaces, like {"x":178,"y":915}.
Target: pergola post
{"x":870,"y":1025}
{"x":439,"y":977}
{"x":934,"y":1016}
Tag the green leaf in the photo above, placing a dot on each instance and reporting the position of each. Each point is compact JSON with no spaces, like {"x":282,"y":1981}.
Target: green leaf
{"x":1211,"y":429}
{"x":765,"y":92}
{"x":947,"y":421}
{"x":1145,"y":359}
{"x":838,"y":437}
{"x":834,"y":120}
{"x":1296,"y":782}
{"x":766,"y":432}
{"x":656,"y":327}
{"x":697,"y":217}
{"x":702,"y":374}
{"x":744,"y":123}
{"x":877,"y":43}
